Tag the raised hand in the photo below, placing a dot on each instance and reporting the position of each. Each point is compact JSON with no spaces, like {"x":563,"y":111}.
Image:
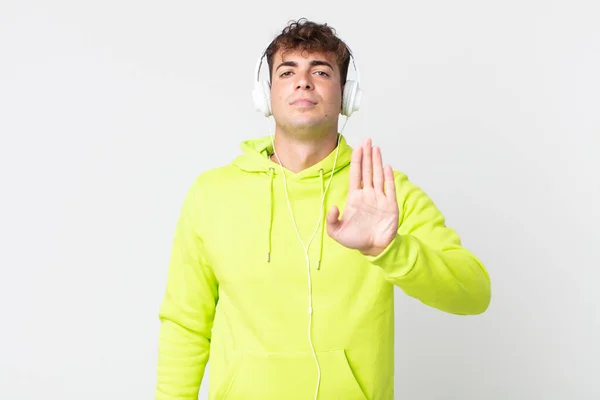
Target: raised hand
{"x":370,"y":219}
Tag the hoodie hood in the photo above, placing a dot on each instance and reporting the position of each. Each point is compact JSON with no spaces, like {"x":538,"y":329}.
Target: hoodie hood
{"x":256,"y":152}
{"x":255,"y":159}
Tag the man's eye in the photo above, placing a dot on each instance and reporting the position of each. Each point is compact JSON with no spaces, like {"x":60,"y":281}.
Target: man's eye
{"x":286,"y":73}
{"x":323,"y":73}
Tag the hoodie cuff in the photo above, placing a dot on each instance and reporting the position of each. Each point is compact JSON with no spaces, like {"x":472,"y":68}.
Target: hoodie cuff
{"x":393,"y":259}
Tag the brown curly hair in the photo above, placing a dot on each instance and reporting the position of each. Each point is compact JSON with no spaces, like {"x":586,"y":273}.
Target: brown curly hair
{"x":305,"y":35}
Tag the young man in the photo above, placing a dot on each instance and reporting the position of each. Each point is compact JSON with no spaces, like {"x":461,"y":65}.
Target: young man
{"x":284,"y":263}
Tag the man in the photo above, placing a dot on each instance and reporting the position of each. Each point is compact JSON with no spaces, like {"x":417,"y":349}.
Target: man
{"x":290,"y":300}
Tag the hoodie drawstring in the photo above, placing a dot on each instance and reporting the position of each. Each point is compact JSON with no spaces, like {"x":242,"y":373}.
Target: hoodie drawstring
{"x":323,"y":222}
{"x":322,"y":216}
{"x":271,"y":176}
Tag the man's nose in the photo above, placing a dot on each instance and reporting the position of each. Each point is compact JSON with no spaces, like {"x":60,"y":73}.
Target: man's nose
{"x":304,"y":86}
{"x":304,"y":81}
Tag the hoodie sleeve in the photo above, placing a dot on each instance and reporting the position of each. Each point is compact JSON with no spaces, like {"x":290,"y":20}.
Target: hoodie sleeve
{"x":426,"y":258}
{"x":187,"y":310}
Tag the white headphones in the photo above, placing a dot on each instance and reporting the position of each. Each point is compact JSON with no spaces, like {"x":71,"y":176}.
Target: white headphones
{"x":262,"y":92}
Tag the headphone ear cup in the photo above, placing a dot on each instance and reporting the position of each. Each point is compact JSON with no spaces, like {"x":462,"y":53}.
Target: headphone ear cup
{"x":267,"y":94}
{"x":262,"y":97}
{"x":351,"y":98}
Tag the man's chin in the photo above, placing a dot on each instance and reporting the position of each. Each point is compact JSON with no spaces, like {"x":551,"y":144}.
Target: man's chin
{"x":305,"y":123}
{"x":308,"y":121}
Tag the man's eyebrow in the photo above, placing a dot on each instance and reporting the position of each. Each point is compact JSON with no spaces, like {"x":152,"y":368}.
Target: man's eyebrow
{"x":287,"y":64}
{"x":320,"y":62}
{"x":295,"y":64}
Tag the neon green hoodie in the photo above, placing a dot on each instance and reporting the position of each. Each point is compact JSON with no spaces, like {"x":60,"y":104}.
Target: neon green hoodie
{"x":237,"y":285}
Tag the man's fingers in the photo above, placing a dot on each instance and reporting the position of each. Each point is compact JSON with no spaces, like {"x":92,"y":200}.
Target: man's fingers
{"x":356,"y":169}
{"x":367,"y":165}
{"x":390,"y":183}
{"x":377,"y":170}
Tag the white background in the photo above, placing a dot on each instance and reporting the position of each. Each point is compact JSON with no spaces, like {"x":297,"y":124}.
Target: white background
{"x":109,"y":110}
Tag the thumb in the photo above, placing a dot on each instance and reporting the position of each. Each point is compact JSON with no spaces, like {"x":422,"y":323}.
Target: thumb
{"x":333,"y":221}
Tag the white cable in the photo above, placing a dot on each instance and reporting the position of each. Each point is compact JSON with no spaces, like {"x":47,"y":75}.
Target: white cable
{"x":307,"y":246}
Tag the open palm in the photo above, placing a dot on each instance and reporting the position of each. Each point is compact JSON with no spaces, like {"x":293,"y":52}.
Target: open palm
{"x":370,"y":219}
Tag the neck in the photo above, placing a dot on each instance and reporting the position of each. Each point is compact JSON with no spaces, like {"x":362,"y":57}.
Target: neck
{"x":297,"y":154}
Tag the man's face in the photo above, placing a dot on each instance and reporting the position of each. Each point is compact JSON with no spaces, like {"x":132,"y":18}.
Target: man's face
{"x":306,"y":91}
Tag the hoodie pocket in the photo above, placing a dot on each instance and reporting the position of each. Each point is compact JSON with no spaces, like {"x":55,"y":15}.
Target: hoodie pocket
{"x":268,"y":376}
